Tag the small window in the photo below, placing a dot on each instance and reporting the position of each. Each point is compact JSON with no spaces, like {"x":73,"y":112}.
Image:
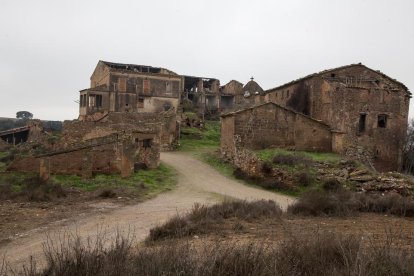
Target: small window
{"x":146,"y":143}
{"x":333,"y":75}
{"x":362,"y":122}
{"x":287,"y":94}
{"x":382,"y":121}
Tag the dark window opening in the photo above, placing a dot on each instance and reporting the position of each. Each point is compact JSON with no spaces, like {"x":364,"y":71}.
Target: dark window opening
{"x":146,"y":143}
{"x":333,"y":75}
{"x":362,"y":120}
{"x":98,"y":100}
{"x":382,"y":121}
{"x":136,"y":140}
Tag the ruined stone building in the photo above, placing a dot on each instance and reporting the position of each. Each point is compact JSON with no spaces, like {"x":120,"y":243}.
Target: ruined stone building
{"x":366,"y":112}
{"x":203,"y":92}
{"x":117,"y":87}
{"x":119,"y":143}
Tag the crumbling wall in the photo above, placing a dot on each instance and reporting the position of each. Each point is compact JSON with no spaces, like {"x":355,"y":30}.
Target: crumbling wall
{"x":111,"y":154}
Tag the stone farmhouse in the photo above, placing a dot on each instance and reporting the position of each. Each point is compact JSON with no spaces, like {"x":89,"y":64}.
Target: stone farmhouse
{"x":365,"y":111}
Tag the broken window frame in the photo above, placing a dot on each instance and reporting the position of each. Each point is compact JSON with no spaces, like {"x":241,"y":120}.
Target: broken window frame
{"x":382,"y":120}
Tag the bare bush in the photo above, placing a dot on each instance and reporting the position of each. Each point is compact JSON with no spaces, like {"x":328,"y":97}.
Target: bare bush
{"x":340,"y":202}
{"x":204,"y":219}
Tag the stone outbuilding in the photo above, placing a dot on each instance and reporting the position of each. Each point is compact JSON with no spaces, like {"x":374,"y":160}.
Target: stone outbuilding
{"x":271,"y":125}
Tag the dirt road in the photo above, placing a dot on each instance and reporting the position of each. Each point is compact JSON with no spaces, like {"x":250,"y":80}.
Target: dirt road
{"x":197,"y":182}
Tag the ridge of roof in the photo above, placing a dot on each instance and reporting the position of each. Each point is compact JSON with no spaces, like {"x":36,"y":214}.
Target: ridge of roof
{"x":109,"y":63}
{"x":338,"y":68}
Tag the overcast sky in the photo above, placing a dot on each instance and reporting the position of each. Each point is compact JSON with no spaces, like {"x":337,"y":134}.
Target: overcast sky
{"x":49,"y":49}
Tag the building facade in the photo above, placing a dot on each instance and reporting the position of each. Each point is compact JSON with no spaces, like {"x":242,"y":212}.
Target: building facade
{"x":117,"y":87}
{"x":366,"y":110}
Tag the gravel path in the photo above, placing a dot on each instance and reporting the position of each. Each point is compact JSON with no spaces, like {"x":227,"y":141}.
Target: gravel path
{"x":197,"y":182}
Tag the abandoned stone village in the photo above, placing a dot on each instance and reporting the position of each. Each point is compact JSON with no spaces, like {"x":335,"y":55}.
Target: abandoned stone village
{"x":132,"y":112}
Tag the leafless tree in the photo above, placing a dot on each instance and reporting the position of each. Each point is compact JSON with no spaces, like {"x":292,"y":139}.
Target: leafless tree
{"x":408,"y":151}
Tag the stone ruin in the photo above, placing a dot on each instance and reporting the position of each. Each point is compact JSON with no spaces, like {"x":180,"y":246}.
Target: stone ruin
{"x":119,"y":143}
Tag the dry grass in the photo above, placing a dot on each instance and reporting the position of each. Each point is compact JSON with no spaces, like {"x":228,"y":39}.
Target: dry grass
{"x":205,"y":219}
{"x":307,"y":254}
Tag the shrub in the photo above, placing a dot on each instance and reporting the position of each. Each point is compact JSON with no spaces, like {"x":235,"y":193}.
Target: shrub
{"x":332,"y":185}
{"x":290,"y":159}
{"x":30,"y":188}
{"x":36,"y":190}
{"x":304,"y":179}
{"x":107,"y":193}
{"x":317,"y":203}
{"x":203,"y":219}
{"x":267,"y":167}
{"x":341,"y":202}
{"x":274,"y":184}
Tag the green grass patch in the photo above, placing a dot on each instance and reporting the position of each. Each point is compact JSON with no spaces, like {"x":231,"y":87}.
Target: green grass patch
{"x":155,"y":180}
{"x":194,"y":139}
{"x":328,"y":157}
